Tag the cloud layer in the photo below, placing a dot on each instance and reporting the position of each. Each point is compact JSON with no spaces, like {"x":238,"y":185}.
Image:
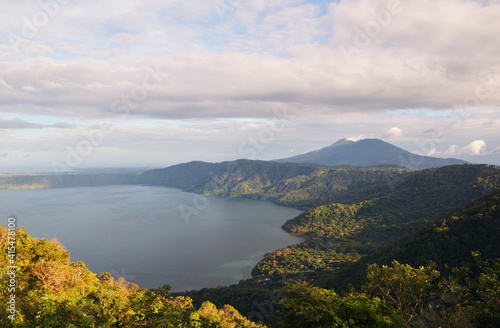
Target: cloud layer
{"x":202,"y":74}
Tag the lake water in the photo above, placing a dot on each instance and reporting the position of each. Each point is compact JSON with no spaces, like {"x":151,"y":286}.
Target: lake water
{"x":138,"y":232}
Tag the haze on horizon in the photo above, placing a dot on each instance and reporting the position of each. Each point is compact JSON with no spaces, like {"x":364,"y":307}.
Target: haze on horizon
{"x":154,"y":83}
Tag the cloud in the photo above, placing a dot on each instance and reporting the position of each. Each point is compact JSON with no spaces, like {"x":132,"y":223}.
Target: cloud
{"x":496,"y":150}
{"x":18,"y":124}
{"x":476,"y":147}
{"x":260,"y":56}
{"x":452,"y":150}
{"x":393,"y":133}
{"x":433,"y":152}
{"x":356,"y":138}
{"x":21,"y":124}
{"x":91,"y":61}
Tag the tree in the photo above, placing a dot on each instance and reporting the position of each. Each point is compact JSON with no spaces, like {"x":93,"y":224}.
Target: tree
{"x":312,"y":307}
{"x":487,"y":287}
{"x":410,"y":290}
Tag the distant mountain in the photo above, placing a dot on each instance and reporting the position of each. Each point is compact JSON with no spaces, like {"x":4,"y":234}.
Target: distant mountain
{"x":369,"y":152}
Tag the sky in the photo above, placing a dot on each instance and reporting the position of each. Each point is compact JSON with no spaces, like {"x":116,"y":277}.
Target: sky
{"x":154,"y":83}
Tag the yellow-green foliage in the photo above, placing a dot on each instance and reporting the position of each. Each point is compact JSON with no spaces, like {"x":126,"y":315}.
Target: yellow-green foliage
{"x":312,"y":307}
{"x":52,"y":291}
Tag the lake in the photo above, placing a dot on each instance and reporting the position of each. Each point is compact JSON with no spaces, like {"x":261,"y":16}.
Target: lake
{"x":138,"y":232}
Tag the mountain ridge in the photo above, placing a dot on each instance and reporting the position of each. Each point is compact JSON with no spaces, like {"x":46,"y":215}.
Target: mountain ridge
{"x":366,"y":153}
{"x":341,"y":232}
{"x":447,"y":241}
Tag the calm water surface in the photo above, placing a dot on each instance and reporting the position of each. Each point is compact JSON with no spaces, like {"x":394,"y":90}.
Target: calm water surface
{"x":138,"y":232}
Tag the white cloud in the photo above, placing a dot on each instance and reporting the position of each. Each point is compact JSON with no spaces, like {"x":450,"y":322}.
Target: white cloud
{"x":476,"y":147}
{"x":393,"y":132}
{"x":433,"y":152}
{"x":452,"y":150}
{"x":356,"y":138}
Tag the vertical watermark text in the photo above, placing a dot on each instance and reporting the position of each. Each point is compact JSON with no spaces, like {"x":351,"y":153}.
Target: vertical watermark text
{"x":11,"y":267}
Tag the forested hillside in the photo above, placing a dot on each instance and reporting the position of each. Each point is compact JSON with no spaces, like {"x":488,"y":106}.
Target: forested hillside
{"x":354,"y":217}
{"x":400,"y":295}
{"x":435,"y":277}
{"x":300,"y":185}
{"x":290,"y":184}
{"x":51,"y":291}
{"x":396,"y":286}
{"x":340,"y":233}
{"x":448,"y":242}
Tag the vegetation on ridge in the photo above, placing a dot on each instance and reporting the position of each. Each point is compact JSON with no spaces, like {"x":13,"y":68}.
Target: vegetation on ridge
{"x":315,"y":259}
{"x":342,"y":233}
{"x":290,"y":184}
{"x":355,"y":217}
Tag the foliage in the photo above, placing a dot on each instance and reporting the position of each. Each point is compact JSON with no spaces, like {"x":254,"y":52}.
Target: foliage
{"x":447,"y":241}
{"x":487,"y":291}
{"x":291,"y":184}
{"x":409,"y":290}
{"x":310,"y":256}
{"x":352,"y":216}
{"x":400,"y":295}
{"x":314,"y":307}
{"x":52,"y":291}
{"x":467,"y":298}
{"x":343,"y":233}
